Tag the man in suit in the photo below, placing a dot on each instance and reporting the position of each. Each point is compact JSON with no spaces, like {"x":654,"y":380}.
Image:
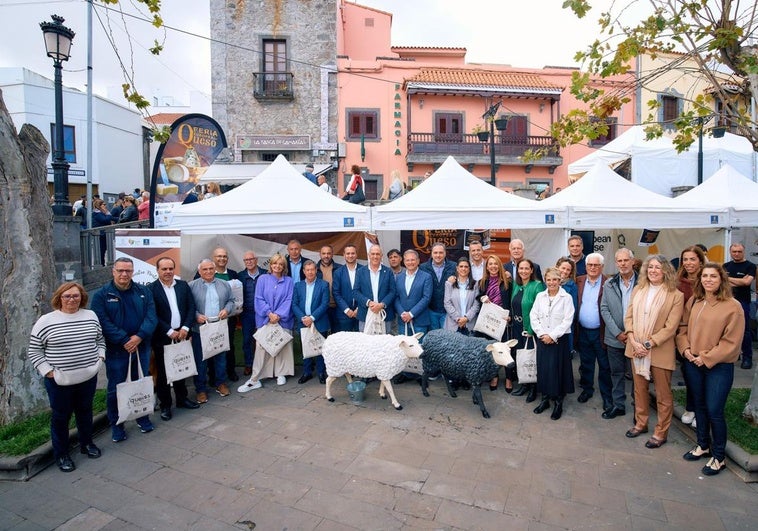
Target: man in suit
{"x":414,"y":291}
{"x":325,"y":270}
{"x":576,"y":254}
{"x":440,"y":269}
{"x":249,"y":278}
{"x":295,"y":260}
{"x":310,"y":304}
{"x":516,"y":250}
{"x":375,"y":289}
{"x":346,"y":314}
{"x":175,"y":308}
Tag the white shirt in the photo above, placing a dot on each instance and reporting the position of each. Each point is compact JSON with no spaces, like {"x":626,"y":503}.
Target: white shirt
{"x":374,"y":275}
{"x":176,"y":318}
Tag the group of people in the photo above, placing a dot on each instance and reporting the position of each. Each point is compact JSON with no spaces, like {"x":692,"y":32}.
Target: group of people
{"x":638,"y":320}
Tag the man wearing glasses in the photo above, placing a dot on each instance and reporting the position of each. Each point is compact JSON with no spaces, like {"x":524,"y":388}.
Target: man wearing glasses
{"x":249,"y":278}
{"x":126,"y":311}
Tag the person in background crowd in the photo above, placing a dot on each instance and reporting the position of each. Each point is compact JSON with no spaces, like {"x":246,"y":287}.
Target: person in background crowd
{"x":308,"y":174}
{"x":741,"y":277}
{"x":495,"y":287}
{"x":273,"y":305}
{"x":118,"y":207}
{"x":310,"y":305}
{"x":395,"y":260}
{"x":323,"y":185}
{"x":77,"y":204}
{"x":126,"y":311}
{"x":551,"y":317}
{"x":144,"y":206}
{"x":81,"y":213}
{"x":525,"y":290}
{"x":576,"y":254}
{"x":440,"y":268}
{"x":461,"y":303}
{"x":68,"y":339}
{"x":249,"y":278}
{"x":651,"y":322}
{"x":295,"y":260}
{"x":342,"y":287}
{"x":130,"y":212}
{"x":101,"y":218}
{"x":709,"y":339}
{"x":617,"y":292}
{"x":476,"y":259}
{"x":691,"y":262}
{"x":396,"y":188}
{"x":355,"y":192}
{"x":212,"y":189}
{"x":516,"y":250}
{"x":326,"y":268}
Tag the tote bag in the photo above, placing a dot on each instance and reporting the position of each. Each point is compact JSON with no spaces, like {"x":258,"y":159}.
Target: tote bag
{"x":272,"y":338}
{"x":214,"y":337}
{"x":492,"y":320}
{"x":414,"y":365}
{"x":312,"y":341}
{"x":135,"y":399}
{"x":526,"y":362}
{"x":374,"y":324}
{"x":179,"y":361}
{"x":237,"y":296}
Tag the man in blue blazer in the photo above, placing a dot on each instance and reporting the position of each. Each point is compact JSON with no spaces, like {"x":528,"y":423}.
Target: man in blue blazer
{"x":440,"y":269}
{"x":346,"y":315}
{"x":414,"y":291}
{"x":310,"y":304}
{"x":375,"y":289}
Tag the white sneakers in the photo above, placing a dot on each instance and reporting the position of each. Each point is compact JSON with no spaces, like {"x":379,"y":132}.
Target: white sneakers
{"x":249,"y":386}
{"x":688,"y":417}
{"x":280,"y":380}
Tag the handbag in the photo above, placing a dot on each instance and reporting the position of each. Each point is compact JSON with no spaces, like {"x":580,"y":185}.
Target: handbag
{"x":135,"y":398}
{"x":374,"y":324}
{"x":179,"y":361}
{"x":76,"y":376}
{"x":414,"y":365}
{"x":526,"y":362}
{"x":237,"y":296}
{"x":492,"y":321}
{"x":272,"y":338}
{"x":214,"y":338}
{"x":312,"y":341}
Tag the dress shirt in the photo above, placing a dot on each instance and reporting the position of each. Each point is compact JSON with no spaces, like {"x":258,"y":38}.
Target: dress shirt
{"x":176,"y":317}
{"x":211,"y":300}
{"x":589,"y":312}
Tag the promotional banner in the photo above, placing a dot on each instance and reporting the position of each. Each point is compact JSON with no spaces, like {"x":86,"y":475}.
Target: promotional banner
{"x":144,"y":247}
{"x":494,"y":241}
{"x":195,"y":142}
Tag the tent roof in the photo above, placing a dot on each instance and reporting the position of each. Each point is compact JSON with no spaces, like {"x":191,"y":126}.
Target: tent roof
{"x":278,"y":200}
{"x":241,"y":172}
{"x":454,"y":198}
{"x":728,"y":188}
{"x":604,"y":199}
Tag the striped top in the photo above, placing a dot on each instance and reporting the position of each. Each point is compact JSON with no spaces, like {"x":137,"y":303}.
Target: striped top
{"x":66,"y":341}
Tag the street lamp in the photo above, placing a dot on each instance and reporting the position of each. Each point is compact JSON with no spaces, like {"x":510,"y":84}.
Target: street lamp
{"x":717,"y":133}
{"x":489,"y":115}
{"x":58,"y":45}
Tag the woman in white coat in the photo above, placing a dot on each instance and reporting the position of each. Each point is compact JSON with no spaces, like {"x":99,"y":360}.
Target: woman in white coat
{"x":551,"y":317}
{"x":461,"y":302}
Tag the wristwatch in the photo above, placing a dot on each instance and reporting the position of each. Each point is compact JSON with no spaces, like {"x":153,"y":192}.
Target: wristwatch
{"x":648,"y":345}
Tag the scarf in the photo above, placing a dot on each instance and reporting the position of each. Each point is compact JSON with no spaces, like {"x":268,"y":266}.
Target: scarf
{"x":493,"y":291}
{"x":645,"y":315}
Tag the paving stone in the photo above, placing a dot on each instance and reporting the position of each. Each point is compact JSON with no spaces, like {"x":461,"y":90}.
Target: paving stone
{"x":402,"y":454}
{"x":611,"y":499}
{"x":388,"y":472}
{"x":374,"y":492}
{"x":574,"y":515}
{"x":450,"y":487}
{"x":645,"y":506}
{"x":39,"y":505}
{"x":331,"y":525}
{"x":90,"y":519}
{"x":150,"y":512}
{"x":348,"y":511}
{"x":691,"y":515}
{"x":215,"y":469}
{"x":209,"y":524}
{"x":466,"y":517}
{"x":417,"y":505}
{"x":524,"y":503}
{"x":273,"y":489}
{"x":271,"y":515}
{"x":215,"y":501}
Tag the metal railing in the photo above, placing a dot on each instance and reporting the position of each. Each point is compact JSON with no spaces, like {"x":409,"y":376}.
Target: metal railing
{"x":98,"y":244}
{"x":469,"y":144}
{"x":273,"y":85}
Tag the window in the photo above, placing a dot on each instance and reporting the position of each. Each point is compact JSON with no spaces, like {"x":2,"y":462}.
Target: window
{"x":610,"y":135}
{"x":69,"y":142}
{"x":275,"y":81}
{"x":363,"y":122}
{"x":671,"y":105}
{"x":516,"y":130}
{"x":448,"y":127}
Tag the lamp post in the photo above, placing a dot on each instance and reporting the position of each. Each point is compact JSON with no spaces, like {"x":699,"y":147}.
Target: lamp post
{"x":700,"y":150}
{"x":58,"y":45}
{"x":489,"y":115}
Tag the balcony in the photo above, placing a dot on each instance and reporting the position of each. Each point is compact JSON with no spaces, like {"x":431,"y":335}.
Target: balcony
{"x":431,"y":148}
{"x":273,"y":86}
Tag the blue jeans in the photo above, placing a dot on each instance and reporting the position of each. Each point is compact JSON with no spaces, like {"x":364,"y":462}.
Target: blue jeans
{"x":617,"y":364}
{"x":116,"y":364}
{"x":248,"y":341}
{"x":219,"y":361}
{"x":591,"y":349}
{"x":65,"y":400}
{"x":710,"y":388}
{"x":437,"y":320}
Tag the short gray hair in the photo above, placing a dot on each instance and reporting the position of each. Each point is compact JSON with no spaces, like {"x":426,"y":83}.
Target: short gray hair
{"x":599,"y":257}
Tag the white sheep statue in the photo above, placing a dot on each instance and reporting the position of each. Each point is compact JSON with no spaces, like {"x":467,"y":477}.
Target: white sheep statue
{"x":367,"y":356}
{"x":472,"y":359}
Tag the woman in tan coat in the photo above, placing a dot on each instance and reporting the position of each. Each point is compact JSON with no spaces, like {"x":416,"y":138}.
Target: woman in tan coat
{"x":651,"y":322}
{"x":710,"y":340}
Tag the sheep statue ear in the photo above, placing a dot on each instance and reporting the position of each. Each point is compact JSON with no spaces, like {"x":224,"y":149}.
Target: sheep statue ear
{"x":418,"y":335}
{"x":511,"y":343}
{"x":490,"y":347}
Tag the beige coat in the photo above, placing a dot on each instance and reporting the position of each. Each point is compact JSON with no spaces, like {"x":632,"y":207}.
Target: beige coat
{"x":712,"y":331}
{"x":669,"y":317}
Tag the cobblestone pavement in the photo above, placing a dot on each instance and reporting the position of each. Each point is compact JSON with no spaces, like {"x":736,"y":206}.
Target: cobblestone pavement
{"x":285,"y":458}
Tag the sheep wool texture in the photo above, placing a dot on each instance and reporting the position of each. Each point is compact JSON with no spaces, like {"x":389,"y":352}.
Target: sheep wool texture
{"x":363,"y":355}
{"x":459,"y":357}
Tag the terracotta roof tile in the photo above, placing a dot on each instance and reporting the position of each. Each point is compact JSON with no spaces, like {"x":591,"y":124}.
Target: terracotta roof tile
{"x":165,"y":118}
{"x":482,"y":78}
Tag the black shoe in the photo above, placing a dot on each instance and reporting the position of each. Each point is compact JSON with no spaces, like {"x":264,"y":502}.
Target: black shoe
{"x":91,"y":451}
{"x":232,"y":376}
{"x":520,"y":390}
{"x":304,"y":378}
{"x":166,"y":413}
{"x":532,"y":396}
{"x":583,"y":397}
{"x":65,"y":463}
{"x":613,"y":412}
{"x":746,"y":364}
{"x":542,"y":407}
{"x":557,"y":410}
{"x":322,"y":379}
{"x":187,"y":404}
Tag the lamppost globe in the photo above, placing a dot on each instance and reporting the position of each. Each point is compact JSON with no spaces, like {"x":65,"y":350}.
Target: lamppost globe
{"x":58,"y":40}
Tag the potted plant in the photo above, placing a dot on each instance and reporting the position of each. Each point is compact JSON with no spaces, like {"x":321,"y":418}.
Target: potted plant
{"x":501,"y":123}
{"x":481,"y":132}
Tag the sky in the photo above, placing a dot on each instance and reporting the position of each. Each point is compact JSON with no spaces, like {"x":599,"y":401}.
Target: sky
{"x":534,"y":33}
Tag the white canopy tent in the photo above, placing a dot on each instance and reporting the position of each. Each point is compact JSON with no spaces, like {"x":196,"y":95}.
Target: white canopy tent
{"x":241,"y":172}
{"x":657,"y":166}
{"x":730,"y":189}
{"x":453,"y":198}
{"x":602,"y":199}
{"x":278,"y":200}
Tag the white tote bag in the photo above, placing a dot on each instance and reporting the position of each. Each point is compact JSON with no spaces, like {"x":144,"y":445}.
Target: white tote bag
{"x":492,"y":320}
{"x":374,"y":324}
{"x":214,"y":337}
{"x":272,"y":337}
{"x":135,"y":398}
{"x":526,"y":362}
{"x":179,"y":361}
{"x":413,"y":365}
{"x":312,"y":341}
{"x":237,"y":296}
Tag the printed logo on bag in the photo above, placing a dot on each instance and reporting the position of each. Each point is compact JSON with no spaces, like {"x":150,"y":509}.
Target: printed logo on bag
{"x":216,"y":340}
{"x":180,"y":362}
{"x":141,"y":402}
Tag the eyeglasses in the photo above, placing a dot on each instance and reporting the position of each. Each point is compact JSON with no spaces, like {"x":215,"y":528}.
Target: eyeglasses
{"x":249,"y":259}
{"x":71,"y":297}
{"x":593,"y":265}
{"x":220,"y":256}
{"x":124,"y":271}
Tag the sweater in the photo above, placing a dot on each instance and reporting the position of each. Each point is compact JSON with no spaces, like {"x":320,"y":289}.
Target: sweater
{"x":712,"y":331}
{"x":66,"y":341}
{"x":530,"y":289}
